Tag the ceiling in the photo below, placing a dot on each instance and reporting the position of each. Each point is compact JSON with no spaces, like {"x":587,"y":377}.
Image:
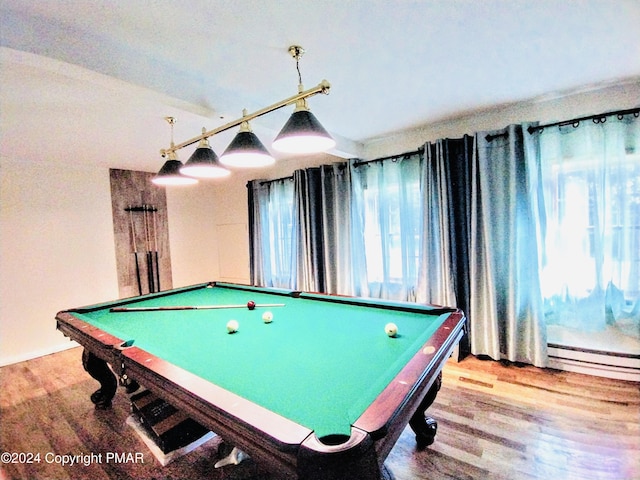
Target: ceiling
{"x":90,"y":81}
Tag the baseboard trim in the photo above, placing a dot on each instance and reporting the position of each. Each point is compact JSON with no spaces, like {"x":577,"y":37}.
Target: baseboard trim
{"x":4,"y":361}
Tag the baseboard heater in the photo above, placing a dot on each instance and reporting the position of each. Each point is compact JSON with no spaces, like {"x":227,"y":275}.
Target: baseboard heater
{"x":623,"y":366}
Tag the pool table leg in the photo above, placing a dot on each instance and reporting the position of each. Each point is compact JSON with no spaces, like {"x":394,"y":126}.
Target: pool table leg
{"x":424,"y":426}
{"x":98,"y":369}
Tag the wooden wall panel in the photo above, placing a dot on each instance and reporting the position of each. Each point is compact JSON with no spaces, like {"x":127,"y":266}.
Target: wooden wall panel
{"x":131,"y":190}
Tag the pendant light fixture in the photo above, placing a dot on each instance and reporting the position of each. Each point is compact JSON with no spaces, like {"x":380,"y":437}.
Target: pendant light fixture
{"x":302,"y":134}
{"x":246,"y":149}
{"x":170,"y":174}
{"x":204,"y":162}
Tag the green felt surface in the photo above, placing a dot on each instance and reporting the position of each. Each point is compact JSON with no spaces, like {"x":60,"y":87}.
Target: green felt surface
{"x":318,"y":363}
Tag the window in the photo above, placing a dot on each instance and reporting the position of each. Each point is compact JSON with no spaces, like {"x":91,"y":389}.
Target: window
{"x":278,"y":244}
{"x":391,"y":205}
{"x":591,"y":279}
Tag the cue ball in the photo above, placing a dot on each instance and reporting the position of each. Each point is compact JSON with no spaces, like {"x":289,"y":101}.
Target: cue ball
{"x":391,"y":329}
{"x":232,"y":326}
{"x":267,"y":317}
{"x":251,"y":304}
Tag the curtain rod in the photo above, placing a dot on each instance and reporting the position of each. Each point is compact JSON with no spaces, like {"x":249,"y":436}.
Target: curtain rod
{"x":600,"y":118}
{"x":391,"y":157}
{"x":264,"y":182}
{"x":490,"y":138}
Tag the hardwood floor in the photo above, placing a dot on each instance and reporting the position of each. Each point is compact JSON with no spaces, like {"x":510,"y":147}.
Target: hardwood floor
{"x":495,"y":422}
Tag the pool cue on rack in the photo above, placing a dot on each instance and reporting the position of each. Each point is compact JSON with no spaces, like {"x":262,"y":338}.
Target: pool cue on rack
{"x":148,"y":245}
{"x":188,"y":307}
{"x":135,"y":249}
{"x":154,"y":212}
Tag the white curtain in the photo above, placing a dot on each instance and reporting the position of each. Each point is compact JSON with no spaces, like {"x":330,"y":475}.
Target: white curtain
{"x":591,"y":177}
{"x":388,"y":223}
{"x":273,"y":233}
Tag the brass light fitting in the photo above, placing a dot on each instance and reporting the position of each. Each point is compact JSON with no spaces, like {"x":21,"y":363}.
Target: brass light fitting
{"x":302,"y":134}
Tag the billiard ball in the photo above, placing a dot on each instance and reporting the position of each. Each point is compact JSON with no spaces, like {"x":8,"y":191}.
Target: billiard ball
{"x":267,"y":317}
{"x":391,"y":329}
{"x":232,"y":326}
{"x":251,"y":304}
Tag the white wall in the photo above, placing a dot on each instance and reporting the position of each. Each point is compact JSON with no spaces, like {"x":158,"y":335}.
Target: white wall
{"x":192,"y":234}
{"x":549,"y":109}
{"x":56,"y":251}
{"x":208,"y":224}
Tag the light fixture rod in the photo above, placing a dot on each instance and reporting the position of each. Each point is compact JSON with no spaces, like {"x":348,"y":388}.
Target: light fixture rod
{"x":322,"y":87}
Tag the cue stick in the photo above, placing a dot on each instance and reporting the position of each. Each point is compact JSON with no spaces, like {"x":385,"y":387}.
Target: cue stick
{"x":148,"y":245}
{"x":188,"y":307}
{"x":135,"y":250}
{"x":154,"y":212}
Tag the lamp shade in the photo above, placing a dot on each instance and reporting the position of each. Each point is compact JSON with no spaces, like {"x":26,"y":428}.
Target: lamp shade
{"x":204,"y":163}
{"x":169,"y":174}
{"x":303,"y":133}
{"x":246,"y":150}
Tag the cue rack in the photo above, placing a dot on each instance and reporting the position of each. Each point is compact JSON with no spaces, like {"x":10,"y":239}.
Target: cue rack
{"x":146,"y":216}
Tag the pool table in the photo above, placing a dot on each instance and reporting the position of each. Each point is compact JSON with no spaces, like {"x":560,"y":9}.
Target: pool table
{"x":320,"y":392}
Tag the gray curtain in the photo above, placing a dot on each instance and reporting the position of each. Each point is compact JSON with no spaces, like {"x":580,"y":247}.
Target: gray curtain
{"x":435,"y":282}
{"x":337,"y":240}
{"x":505,"y":302}
{"x":444,"y":277}
{"x":322,"y":223}
{"x":308,"y":226}
{"x":256,"y":260}
{"x":446,"y":190}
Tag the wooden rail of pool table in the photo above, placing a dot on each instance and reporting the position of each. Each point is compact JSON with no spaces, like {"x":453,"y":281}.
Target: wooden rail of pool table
{"x":102,"y":344}
{"x":405,"y":396}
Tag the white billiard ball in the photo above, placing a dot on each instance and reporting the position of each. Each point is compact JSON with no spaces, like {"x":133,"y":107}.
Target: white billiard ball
{"x":232,"y":326}
{"x":267,"y":317}
{"x":391,"y":329}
